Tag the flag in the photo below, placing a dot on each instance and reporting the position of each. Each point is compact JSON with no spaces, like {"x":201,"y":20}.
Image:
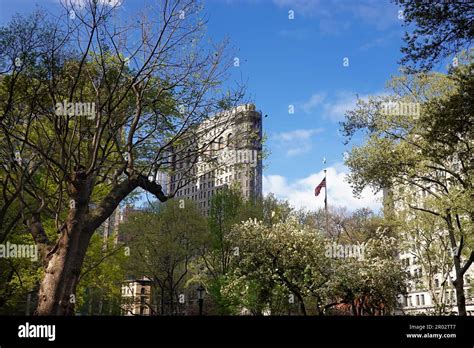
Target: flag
{"x":318,"y":188}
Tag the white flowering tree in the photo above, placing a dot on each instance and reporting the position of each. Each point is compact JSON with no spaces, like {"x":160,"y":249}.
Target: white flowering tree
{"x":286,"y":255}
{"x":288,"y":261}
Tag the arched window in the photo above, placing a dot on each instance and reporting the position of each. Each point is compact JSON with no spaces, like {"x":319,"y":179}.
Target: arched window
{"x":220,"y":143}
{"x":229,"y":139}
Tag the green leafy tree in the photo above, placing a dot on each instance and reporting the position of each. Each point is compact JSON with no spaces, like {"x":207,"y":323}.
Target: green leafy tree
{"x":287,"y":265}
{"x":441,"y":29}
{"x":67,"y":167}
{"x":428,"y":152}
{"x":164,"y":243}
{"x":104,"y":270}
{"x":424,"y":237}
{"x":227,"y":209}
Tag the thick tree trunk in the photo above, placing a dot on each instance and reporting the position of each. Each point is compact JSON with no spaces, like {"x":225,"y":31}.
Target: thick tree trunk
{"x":459,"y":281}
{"x":460,"y":297}
{"x":58,"y":288}
{"x":64,"y":263}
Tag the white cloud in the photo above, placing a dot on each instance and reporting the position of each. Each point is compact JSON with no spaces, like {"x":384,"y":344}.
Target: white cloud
{"x":343,"y":102}
{"x":314,"y":101}
{"x":298,"y":134}
{"x":80,"y":4}
{"x":296,"y":142}
{"x":300,"y":192}
{"x":295,"y":151}
{"x":333,"y":107}
{"x":382,"y":40}
{"x":379,"y":14}
{"x":306,"y":7}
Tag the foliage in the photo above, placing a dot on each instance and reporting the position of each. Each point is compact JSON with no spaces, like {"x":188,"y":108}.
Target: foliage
{"x":422,"y":160}
{"x":440,"y":29}
{"x":289,"y":260}
{"x":163,"y":244}
{"x":99,"y":287}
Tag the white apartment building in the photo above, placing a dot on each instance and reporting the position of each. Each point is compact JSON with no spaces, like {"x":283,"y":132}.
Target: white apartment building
{"x":429,"y":291}
{"x":136,"y":297}
{"x":229,"y":145}
{"x":437,"y":298}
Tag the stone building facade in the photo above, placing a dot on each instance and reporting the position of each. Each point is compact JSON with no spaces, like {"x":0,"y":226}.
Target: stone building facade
{"x":224,"y":150}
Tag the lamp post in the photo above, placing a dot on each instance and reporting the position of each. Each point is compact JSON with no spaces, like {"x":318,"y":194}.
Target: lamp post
{"x":200,"y":294}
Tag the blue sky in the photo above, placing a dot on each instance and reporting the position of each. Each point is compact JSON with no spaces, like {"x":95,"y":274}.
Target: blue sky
{"x":299,"y":62}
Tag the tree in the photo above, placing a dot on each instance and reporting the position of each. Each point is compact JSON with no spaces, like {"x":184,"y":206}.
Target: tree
{"x":227,"y":209}
{"x":163,"y":244}
{"x":92,"y":108}
{"x":427,"y":151}
{"x":286,"y":254}
{"x":103,"y":272}
{"x":291,"y":263}
{"x":442,"y":28}
{"x":424,"y":237}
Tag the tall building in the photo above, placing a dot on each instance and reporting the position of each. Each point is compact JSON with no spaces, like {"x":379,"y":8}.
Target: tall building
{"x":427,"y":259}
{"x":224,"y":150}
{"x":432,"y":294}
{"x":136,"y":297}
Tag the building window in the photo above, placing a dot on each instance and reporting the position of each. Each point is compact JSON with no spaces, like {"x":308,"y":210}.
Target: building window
{"x":417,"y":300}
{"x":142,"y":301}
{"x":436,"y":283}
{"x":422,"y":300}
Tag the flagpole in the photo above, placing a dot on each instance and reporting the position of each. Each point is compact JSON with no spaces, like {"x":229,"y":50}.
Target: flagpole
{"x":326,"y":201}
